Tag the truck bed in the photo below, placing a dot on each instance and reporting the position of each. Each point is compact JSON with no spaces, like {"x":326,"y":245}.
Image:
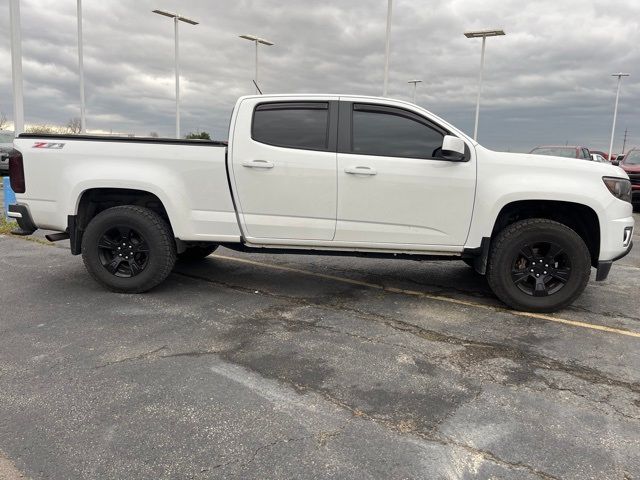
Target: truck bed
{"x":189,"y":177}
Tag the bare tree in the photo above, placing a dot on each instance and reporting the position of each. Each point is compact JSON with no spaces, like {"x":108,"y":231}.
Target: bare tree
{"x":74,"y":126}
{"x":153,"y":134}
{"x":3,"y":121}
{"x":43,"y":128}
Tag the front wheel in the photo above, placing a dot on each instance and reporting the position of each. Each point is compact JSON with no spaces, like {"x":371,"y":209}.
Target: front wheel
{"x":538,"y":265}
{"x":128,"y":249}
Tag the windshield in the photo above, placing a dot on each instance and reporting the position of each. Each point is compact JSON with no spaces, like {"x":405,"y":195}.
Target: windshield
{"x":632,"y":158}
{"x":6,"y":137}
{"x":555,"y":151}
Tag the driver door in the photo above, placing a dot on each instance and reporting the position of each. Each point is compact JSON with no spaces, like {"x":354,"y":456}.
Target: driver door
{"x":392,"y":187}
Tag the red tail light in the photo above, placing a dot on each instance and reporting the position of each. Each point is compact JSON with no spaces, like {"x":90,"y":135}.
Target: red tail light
{"x":16,"y":172}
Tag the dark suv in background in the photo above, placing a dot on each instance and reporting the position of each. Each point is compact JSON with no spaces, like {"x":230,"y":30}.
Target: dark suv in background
{"x":631,"y":165}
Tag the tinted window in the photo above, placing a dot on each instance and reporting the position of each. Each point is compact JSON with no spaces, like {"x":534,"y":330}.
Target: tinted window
{"x":296,"y":125}
{"x":393,"y":132}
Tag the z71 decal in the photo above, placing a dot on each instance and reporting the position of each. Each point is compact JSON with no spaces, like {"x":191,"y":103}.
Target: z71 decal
{"x":48,"y":145}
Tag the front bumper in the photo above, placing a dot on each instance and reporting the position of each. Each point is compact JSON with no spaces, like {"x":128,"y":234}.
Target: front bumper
{"x":605,"y":266}
{"x":21,"y":214}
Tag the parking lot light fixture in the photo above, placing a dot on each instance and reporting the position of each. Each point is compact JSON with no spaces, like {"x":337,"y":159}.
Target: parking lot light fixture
{"x":16,"y":67}
{"x":257,"y":40}
{"x":387,"y":50}
{"x":415,"y":87}
{"x":615,"y":109}
{"x":176,"y":19}
{"x":83,"y":121}
{"x":481,"y":34}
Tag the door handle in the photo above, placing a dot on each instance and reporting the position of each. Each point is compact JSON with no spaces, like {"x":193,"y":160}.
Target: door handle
{"x":258,"y":164}
{"x":360,"y":170}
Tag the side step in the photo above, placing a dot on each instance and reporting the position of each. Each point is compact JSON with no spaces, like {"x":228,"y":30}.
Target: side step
{"x":56,"y":237}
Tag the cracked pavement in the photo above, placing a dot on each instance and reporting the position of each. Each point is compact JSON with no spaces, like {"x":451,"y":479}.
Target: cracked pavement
{"x":241,"y":370}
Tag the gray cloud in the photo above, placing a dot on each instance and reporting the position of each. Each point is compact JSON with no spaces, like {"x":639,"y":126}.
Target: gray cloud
{"x":547,"y":81}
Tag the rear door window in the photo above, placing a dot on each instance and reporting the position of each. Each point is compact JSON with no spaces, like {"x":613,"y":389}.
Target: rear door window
{"x":292,"y":124}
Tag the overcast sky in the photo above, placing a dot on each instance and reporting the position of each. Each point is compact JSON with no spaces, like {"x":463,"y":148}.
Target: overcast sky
{"x":547,"y":82}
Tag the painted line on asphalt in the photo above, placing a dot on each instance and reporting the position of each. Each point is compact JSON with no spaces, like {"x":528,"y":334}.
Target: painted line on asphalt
{"x":440,"y":298}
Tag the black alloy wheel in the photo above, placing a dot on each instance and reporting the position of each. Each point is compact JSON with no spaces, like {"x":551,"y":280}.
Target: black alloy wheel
{"x":123,"y":251}
{"x":538,"y":265}
{"x":541,"y":269}
{"x":129,"y":249}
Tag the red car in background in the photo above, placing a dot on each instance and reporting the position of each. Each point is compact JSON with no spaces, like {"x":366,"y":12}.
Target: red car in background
{"x":631,"y":165}
{"x":563,"y":151}
{"x":604,"y":154}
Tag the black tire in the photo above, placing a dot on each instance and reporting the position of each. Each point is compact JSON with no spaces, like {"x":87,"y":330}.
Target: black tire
{"x":538,"y":265}
{"x":128,"y":249}
{"x":196,"y":252}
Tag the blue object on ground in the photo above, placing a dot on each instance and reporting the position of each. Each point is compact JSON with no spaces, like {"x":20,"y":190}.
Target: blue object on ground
{"x":9,"y":195}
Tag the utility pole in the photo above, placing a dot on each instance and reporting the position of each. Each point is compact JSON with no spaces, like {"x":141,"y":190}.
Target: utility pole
{"x":83,"y":121}
{"x":624,"y":142}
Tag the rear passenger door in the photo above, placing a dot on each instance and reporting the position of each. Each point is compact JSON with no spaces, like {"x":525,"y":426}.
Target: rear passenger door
{"x":284,"y":168}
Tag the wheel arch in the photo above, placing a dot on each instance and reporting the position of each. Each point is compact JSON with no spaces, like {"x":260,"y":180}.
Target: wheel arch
{"x":579,"y":217}
{"x":92,"y":201}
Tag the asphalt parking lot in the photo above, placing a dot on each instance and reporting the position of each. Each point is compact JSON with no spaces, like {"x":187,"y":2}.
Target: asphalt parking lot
{"x":264,"y":366}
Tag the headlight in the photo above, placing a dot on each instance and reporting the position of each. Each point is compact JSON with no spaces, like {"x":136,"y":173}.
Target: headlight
{"x":619,"y":187}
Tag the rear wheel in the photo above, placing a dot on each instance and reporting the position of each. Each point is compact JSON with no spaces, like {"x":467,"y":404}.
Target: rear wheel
{"x":538,"y":265}
{"x":196,"y":252}
{"x":128,"y":249}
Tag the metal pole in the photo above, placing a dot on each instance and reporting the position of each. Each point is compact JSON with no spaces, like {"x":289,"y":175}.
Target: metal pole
{"x":256,"y":75}
{"x":475,"y":128}
{"x":177,"y":58}
{"x":16,"y":67}
{"x":415,"y":88}
{"x":83,"y":124}
{"x":387,"y":49}
{"x":615,"y":113}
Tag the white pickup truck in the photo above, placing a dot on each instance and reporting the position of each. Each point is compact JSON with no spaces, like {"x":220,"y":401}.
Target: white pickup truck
{"x":332,"y":174}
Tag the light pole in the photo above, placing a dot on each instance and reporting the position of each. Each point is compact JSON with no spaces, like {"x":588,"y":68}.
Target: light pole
{"x":257,"y":40}
{"x":481,"y":34}
{"x":83,"y":123}
{"x":415,"y":87}
{"x":177,"y":18}
{"x":16,"y":67}
{"x":615,"y":109}
{"x":385,"y":88}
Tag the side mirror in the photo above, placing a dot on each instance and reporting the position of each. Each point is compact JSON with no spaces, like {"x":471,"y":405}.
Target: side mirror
{"x":615,"y":162}
{"x":453,"y":148}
